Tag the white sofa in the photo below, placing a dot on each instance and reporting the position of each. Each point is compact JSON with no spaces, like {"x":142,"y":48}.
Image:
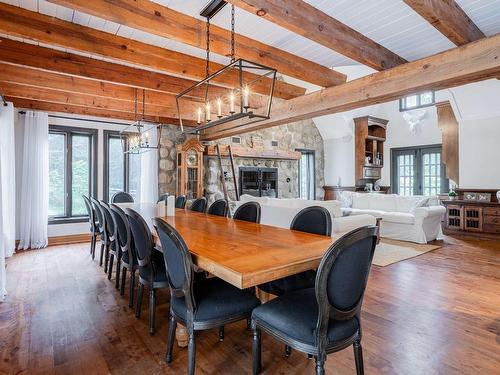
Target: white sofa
{"x":415,"y":219}
{"x":280,"y":212}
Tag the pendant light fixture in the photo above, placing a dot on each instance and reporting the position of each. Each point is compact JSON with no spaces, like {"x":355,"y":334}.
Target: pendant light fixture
{"x":242,"y":90}
{"x":142,"y":135}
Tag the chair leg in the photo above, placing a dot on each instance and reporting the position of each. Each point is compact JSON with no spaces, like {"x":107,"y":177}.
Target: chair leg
{"x":171,"y":337}
{"x":358,"y":357}
{"x":110,"y":265}
{"x":152,"y":311}
{"x":256,"y":349}
{"x":221,"y":333}
{"x":92,"y":246}
{"x":123,"y":281}
{"x":191,"y":352}
{"x":138,"y":304}
{"x":118,"y":269}
{"x":106,"y":258}
{"x":102,"y":254}
{"x":288,"y":351}
{"x":131,"y":289}
{"x":320,"y":366}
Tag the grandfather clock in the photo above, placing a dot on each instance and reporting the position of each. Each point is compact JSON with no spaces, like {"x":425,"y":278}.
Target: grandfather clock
{"x":190,"y":169}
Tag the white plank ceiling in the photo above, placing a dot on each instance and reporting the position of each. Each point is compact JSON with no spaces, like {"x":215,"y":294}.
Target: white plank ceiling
{"x":389,"y":22}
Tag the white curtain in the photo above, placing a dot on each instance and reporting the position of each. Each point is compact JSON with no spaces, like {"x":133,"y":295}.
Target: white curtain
{"x":7,"y":191}
{"x":34,"y":181}
{"x":148,"y":188}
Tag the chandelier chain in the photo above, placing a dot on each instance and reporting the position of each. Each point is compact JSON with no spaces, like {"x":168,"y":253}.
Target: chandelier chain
{"x":232,"y":34}
{"x":207,"y":70}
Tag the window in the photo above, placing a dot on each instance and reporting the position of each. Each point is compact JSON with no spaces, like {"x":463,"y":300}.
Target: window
{"x":72,"y":172}
{"x":307,"y":175}
{"x":418,"y":171}
{"x":122,"y":172}
{"x":423,"y":99}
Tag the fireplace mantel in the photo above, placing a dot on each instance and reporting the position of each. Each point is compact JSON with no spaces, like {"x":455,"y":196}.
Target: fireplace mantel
{"x":254,"y":153}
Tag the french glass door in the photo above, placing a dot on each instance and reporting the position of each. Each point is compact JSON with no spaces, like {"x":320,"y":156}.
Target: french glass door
{"x":418,"y":171}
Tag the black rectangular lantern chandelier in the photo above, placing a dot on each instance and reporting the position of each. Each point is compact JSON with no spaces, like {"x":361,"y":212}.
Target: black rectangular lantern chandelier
{"x":242,"y":90}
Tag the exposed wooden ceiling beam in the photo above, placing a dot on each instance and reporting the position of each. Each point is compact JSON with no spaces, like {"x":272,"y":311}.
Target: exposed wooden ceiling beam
{"x":449,"y":19}
{"x":159,"y":20}
{"x":472,"y":62}
{"x":84,"y":111}
{"x":15,"y":90}
{"x":310,"y":22}
{"x":50,"y":30}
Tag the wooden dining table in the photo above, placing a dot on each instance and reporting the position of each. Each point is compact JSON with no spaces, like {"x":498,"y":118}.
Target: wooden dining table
{"x":241,"y":253}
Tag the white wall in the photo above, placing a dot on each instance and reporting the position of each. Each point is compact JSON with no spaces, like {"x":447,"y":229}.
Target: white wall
{"x":73,"y":228}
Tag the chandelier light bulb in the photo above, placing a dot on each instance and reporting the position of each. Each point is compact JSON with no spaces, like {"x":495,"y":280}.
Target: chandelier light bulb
{"x":231,"y":102}
{"x":246,"y":94}
{"x":208,"y":118}
{"x":219,"y":107}
{"x":199,"y":116}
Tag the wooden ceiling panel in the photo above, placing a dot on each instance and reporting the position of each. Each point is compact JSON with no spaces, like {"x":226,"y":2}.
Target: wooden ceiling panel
{"x":310,"y":22}
{"x":52,"y":31}
{"x":156,"y":19}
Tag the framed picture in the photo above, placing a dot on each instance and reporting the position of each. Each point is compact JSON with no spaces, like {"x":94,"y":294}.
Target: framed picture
{"x":484,"y":197}
{"x":470,"y":196}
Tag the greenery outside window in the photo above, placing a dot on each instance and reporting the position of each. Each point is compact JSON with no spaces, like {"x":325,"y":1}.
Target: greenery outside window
{"x":72,"y":172}
{"x":122,"y":172}
{"x":424,"y":99}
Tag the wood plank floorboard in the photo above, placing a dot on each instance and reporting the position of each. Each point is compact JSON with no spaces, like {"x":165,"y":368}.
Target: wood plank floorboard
{"x":438,"y":313}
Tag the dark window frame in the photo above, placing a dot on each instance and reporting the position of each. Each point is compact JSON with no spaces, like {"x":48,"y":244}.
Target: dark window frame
{"x":69,"y":131}
{"x":417,"y":151}
{"x":107,"y":134}
{"x":313,"y":153}
{"x":403,"y":108}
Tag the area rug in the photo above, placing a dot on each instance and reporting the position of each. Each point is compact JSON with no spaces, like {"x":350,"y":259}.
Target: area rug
{"x":392,"y":251}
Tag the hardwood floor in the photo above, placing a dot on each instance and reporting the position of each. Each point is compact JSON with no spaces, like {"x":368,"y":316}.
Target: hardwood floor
{"x":438,"y":313}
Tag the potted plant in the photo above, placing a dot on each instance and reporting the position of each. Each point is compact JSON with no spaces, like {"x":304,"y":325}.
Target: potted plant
{"x":452,"y":195}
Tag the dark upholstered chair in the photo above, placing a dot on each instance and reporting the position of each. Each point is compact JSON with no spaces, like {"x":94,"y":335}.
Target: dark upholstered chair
{"x":113,"y":252}
{"x":326,"y":318}
{"x":219,"y":208}
{"x":94,"y":227}
{"x":249,"y":211}
{"x":122,"y":197}
{"x":208,"y":304}
{"x":128,"y":260}
{"x":152,"y":272}
{"x":199,"y":205}
{"x":316,"y":220}
{"x":180,"y":201}
{"x":163,"y":198}
{"x":101,"y":227}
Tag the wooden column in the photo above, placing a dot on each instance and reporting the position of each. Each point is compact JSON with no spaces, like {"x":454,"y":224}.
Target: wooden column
{"x":449,"y":127}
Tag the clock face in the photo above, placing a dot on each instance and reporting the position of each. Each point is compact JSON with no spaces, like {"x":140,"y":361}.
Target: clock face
{"x":192,"y":158}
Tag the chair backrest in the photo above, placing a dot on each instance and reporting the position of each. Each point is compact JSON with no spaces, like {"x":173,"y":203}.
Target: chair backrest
{"x":199,"y":205}
{"x":249,"y":211}
{"x":180,"y":201}
{"x":90,"y":211}
{"x":342,"y":276}
{"x":163,"y":198}
{"x":124,"y":234}
{"x":108,"y":219}
{"x":178,"y":262}
{"x":99,"y":214}
{"x":143,"y":242}
{"x":122,"y":197}
{"x":314,"y":219}
{"x":219,"y":208}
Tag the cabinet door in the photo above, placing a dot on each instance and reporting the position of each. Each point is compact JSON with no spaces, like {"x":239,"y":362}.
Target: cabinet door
{"x":473,"y":218}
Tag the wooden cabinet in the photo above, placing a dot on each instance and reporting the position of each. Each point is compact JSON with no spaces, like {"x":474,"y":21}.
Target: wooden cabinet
{"x":472,"y":216}
{"x":369,"y":148}
{"x":190,"y":169}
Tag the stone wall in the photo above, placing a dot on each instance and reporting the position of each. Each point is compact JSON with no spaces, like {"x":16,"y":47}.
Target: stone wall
{"x":298,"y":135}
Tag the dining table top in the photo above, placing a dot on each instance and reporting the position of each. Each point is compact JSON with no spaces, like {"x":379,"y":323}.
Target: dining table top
{"x":243,"y":254}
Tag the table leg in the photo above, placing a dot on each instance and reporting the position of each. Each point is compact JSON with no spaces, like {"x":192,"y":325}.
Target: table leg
{"x":181,"y":335}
